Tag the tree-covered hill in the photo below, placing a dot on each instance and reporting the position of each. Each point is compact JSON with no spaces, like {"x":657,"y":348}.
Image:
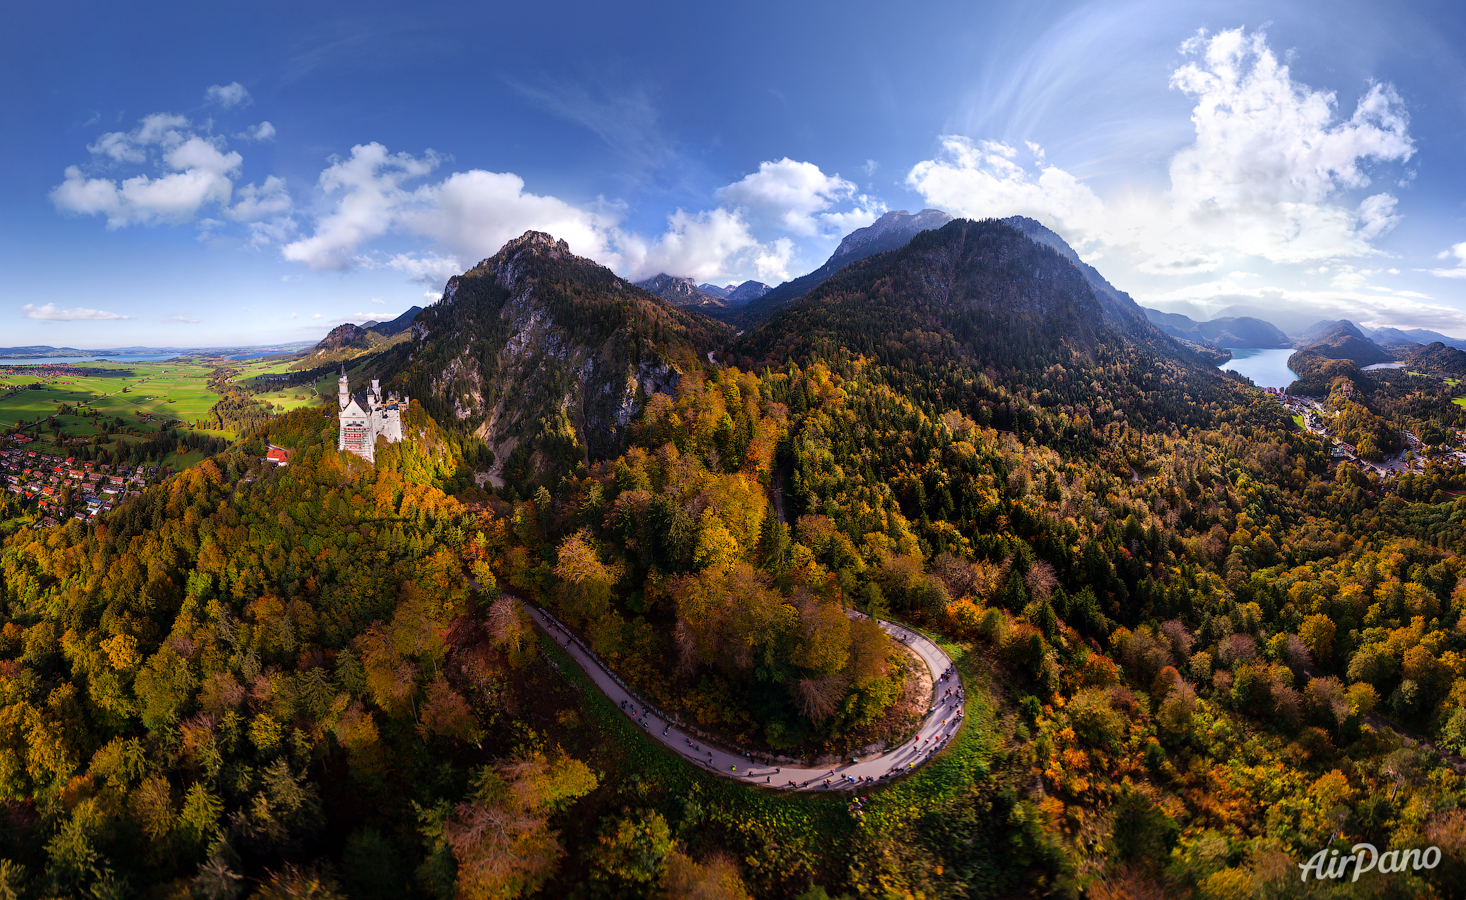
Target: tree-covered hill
{"x":977,"y":317}
{"x":1197,"y":646}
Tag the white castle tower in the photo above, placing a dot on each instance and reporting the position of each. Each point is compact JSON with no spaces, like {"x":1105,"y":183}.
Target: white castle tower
{"x":359,"y":427}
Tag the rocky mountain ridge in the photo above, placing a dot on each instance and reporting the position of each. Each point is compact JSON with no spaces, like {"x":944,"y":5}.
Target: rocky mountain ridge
{"x":681,"y":292}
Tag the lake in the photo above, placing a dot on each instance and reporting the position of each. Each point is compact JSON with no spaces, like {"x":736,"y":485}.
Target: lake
{"x":1266,"y":368}
{"x":74,"y":360}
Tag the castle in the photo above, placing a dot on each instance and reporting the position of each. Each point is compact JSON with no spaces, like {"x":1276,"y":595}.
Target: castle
{"x":360,"y":428}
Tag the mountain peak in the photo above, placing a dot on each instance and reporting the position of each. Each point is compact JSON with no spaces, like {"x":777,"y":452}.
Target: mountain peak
{"x":897,"y":224}
{"x":680,"y":291}
{"x":535,"y":241}
{"x":892,"y":230}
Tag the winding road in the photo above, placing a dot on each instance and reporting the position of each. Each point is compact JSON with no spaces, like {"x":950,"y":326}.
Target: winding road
{"x":937,"y":727}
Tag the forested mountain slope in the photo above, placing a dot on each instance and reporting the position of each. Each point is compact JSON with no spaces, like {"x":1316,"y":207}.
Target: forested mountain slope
{"x":966,"y":314}
{"x":548,"y":355}
{"x":890,"y":231}
{"x":1197,"y":647}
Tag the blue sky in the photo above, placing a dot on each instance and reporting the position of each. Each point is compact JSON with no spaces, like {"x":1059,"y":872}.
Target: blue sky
{"x":196,"y":175}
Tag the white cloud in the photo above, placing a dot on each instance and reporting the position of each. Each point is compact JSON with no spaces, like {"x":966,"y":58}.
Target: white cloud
{"x":773,"y":259}
{"x":50,"y":312}
{"x":795,"y":196}
{"x":379,"y":301}
{"x":261,"y":132}
{"x":1270,"y":159}
{"x":982,"y":180}
{"x":368,"y":192}
{"x":266,"y":201}
{"x":131,"y":146}
{"x":696,"y":246}
{"x":182,"y":319}
{"x":473,"y":214}
{"x":1265,"y":176}
{"x":202,"y":173}
{"x":1348,"y":295}
{"x":1459,"y":270}
{"x":227,"y":95}
{"x":315,"y":315}
{"x":477,"y":212}
{"x":429,"y":269}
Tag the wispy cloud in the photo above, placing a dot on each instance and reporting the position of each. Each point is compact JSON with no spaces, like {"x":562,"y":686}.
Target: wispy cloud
{"x":51,"y":313}
{"x":626,"y":121}
{"x":1456,"y":271}
{"x":183,"y":319}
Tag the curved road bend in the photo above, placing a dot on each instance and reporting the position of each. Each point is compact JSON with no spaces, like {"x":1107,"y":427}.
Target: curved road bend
{"x":937,"y":728}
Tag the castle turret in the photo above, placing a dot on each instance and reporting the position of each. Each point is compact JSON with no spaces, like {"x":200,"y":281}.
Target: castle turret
{"x":343,"y":390}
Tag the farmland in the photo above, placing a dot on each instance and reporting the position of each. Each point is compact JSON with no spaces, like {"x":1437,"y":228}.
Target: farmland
{"x":114,"y":404}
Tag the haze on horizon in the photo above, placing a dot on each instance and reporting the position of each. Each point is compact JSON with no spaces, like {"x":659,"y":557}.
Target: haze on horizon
{"x":229,"y":177}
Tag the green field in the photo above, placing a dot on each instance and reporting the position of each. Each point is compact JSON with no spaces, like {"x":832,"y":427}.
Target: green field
{"x":285,"y":399}
{"x":119,"y":390}
{"x":145,"y":397}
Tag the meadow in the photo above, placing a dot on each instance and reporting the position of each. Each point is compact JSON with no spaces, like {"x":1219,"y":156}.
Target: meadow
{"x":145,"y":397}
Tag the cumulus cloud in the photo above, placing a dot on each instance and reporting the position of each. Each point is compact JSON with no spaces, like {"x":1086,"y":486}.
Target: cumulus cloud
{"x":132,"y":146}
{"x":368,"y":198}
{"x":202,"y":172}
{"x":695,"y":245}
{"x":182,"y":319}
{"x":477,"y":212}
{"x":1270,"y":156}
{"x":266,"y":201}
{"x":1266,"y":175}
{"x":379,"y":301}
{"x":261,"y":132}
{"x":50,"y":312}
{"x":796,"y":195}
{"x":983,"y":179}
{"x":370,"y":194}
{"x":227,"y":95}
{"x":773,"y":259}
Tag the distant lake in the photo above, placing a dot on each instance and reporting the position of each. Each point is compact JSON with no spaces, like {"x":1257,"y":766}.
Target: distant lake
{"x":1266,"y":368}
{"x":75,"y":360}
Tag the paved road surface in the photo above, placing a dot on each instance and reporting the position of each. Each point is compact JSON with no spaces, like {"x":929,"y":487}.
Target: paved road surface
{"x":936,"y":729}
